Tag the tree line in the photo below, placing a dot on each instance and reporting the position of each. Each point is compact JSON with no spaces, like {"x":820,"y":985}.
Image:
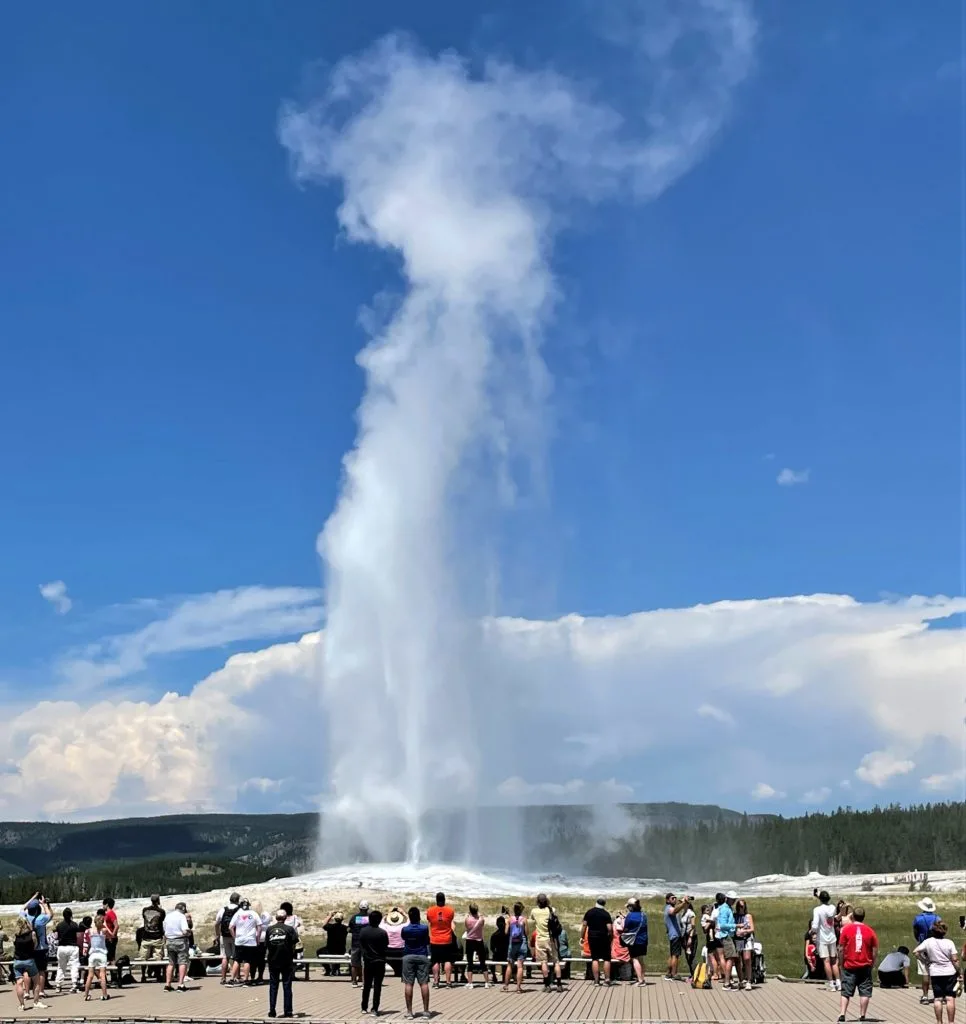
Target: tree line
{"x":929,"y":837}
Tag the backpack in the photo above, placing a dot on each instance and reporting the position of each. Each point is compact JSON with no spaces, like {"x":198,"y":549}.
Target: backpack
{"x":554,"y":927}
{"x":701,"y":978}
{"x":124,"y":975}
{"x":226,"y":915}
{"x":517,"y":931}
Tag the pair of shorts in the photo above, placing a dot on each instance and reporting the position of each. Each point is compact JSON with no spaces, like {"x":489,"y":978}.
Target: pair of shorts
{"x":517,"y":953}
{"x":356,"y":958}
{"x":178,"y":952}
{"x":151,"y":948}
{"x":599,"y":947}
{"x":97,"y":961}
{"x":415,"y":969}
{"x":713,"y":944}
{"x":677,"y":946}
{"x":41,"y":959}
{"x":547,"y":952}
{"x":827,"y":951}
{"x":639,"y":950}
{"x":244,"y":954}
{"x":228,"y":947}
{"x":944,"y":986}
{"x":857,"y":978}
{"x":25,"y":969}
{"x":440,"y":954}
{"x":728,"y":947}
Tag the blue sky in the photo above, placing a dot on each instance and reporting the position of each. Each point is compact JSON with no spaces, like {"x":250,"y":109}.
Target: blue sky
{"x":180,"y":324}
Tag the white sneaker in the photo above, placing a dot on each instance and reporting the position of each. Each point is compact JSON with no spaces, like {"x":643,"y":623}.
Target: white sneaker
{"x":469,"y":984}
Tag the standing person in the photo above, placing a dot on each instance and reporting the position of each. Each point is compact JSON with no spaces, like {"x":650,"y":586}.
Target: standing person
{"x":152,"y":932}
{"x":922,"y":926}
{"x":26,"y":976}
{"x":724,"y":928}
{"x":245,"y":930}
{"x":374,"y":947}
{"x":176,"y":929}
{"x":97,"y":957}
{"x":635,"y":939}
{"x":711,"y":943}
{"x":673,"y":909}
{"x":546,"y":952}
{"x":823,"y":924}
{"x":356,"y":923}
{"x":939,"y":956}
{"x":474,"y":923}
{"x":499,"y":947}
{"x":281,"y":942}
{"x":68,"y":952}
{"x":894,"y":969}
{"x":226,"y":940}
{"x":688,"y":921}
{"x":392,"y":925}
{"x":516,"y":948}
{"x":112,"y":926}
{"x":415,"y":963}
{"x":744,"y":945}
{"x":440,"y":918}
{"x":294,"y":921}
{"x":858,"y":946}
{"x":258,"y":968}
{"x":336,"y":936}
{"x":37,"y":911}
{"x":598,"y":927}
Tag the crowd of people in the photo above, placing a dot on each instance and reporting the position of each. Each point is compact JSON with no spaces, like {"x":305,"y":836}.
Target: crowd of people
{"x":432,"y":948}
{"x":843,"y":949}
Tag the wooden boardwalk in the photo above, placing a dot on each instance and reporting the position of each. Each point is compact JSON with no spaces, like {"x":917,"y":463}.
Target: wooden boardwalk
{"x":334,"y":1000}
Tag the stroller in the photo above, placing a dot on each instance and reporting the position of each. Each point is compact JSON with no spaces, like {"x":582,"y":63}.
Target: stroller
{"x":757,"y":964}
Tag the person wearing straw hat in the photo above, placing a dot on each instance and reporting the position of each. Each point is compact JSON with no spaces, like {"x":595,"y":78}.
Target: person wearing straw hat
{"x":922,"y":926}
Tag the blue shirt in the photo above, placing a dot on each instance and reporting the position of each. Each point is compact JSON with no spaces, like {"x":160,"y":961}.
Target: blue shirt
{"x":415,"y":939}
{"x":673,"y":923}
{"x":39,"y":925}
{"x":635,"y":923}
{"x":922,"y":926}
{"x":725,"y":926}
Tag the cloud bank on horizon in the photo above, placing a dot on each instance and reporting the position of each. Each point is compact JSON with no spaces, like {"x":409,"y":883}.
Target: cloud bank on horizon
{"x":796,"y":702}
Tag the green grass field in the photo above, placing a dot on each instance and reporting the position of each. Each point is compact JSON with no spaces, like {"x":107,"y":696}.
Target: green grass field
{"x":780,"y":923}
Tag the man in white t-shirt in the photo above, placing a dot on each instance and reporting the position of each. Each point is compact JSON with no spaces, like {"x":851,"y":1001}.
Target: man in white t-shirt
{"x":826,"y":941}
{"x":894,"y":969}
{"x":246,"y":928}
{"x":176,"y":932}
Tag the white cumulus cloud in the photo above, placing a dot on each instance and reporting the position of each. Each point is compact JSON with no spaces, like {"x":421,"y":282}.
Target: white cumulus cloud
{"x":56,"y":593}
{"x":790,"y":477}
{"x":763,"y":791}
{"x":945,"y":782}
{"x":879,"y":766}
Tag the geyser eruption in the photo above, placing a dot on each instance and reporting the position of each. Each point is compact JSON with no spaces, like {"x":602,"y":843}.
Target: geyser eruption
{"x":461,"y":176}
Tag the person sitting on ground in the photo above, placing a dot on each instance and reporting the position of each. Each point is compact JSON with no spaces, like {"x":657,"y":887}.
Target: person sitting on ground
{"x":336,"y":934}
{"x":226,"y":940}
{"x":545,"y":945}
{"x":177,"y":929}
{"x":939,"y":955}
{"x":858,"y":945}
{"x":440,"y":919}
{"x":499,"y":948}
{"x":894,"y":969}
{"x":922,"y":926}
{"x":598,"y":927}
{"x":415,"y":962}
{"x":563,"y":948}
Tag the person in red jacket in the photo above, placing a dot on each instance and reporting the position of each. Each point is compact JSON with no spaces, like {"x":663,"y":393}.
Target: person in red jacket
{"x":858,"y":945}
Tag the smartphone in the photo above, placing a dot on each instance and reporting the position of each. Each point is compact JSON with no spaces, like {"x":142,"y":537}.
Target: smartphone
{"x":962,"y":921}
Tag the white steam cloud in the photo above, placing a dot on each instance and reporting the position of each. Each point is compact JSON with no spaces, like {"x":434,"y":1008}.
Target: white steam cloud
{"x":462,"y":176}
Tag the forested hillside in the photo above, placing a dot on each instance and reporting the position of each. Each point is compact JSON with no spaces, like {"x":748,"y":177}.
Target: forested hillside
{"x":890,"y":839}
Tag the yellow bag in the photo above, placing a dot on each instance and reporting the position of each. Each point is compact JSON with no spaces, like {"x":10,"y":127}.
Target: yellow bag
{"x":701,"y":978}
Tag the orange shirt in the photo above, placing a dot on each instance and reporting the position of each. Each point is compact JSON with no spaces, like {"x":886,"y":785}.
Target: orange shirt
{"x":440,"y":925}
